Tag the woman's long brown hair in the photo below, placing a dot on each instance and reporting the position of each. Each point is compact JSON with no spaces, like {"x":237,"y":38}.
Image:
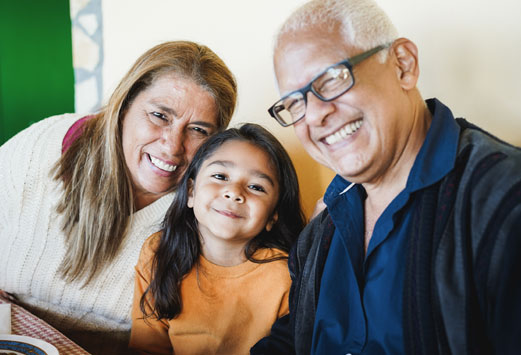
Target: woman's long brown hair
{"x":97,"y":201}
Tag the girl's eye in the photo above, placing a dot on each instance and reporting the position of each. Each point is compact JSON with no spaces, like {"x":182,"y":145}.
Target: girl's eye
{"x":257,"y":188}
{"x":219,"y":176}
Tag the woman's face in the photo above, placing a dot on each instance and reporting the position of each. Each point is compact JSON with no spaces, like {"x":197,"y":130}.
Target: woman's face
{"x":162,"y":129}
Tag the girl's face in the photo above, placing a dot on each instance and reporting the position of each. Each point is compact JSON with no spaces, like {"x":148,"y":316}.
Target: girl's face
{"x":234,"y":195}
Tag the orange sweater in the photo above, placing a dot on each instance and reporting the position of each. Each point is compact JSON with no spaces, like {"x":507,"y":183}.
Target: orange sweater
{"x":226,"y":310}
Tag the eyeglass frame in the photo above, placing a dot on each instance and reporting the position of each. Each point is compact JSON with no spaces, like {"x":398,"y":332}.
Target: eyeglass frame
{"x":349,"y":63}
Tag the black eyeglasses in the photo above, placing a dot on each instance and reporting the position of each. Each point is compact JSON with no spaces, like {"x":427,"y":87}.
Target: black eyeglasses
{"x":331,"y":83}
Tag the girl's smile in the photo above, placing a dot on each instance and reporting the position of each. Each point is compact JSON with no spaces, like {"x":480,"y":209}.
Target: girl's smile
{"x":228,"y":214}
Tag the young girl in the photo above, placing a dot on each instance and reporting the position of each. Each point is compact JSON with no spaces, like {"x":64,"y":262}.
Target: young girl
{"x":216,"y":278}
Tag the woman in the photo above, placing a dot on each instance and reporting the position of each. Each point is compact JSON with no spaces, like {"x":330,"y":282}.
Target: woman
{"x":80,"y":197}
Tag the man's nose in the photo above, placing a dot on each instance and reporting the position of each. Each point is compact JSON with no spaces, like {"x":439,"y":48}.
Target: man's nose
{"x":317,"y":110}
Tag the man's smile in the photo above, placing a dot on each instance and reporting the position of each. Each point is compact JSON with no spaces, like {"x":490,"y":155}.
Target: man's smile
{"x":344,"y":132}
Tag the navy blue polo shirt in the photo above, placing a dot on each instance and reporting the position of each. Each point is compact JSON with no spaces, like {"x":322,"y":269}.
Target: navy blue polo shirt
{"x":360,"y":302}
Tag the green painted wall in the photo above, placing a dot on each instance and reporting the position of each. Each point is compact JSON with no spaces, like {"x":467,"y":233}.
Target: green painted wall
{"x":36,"y":73}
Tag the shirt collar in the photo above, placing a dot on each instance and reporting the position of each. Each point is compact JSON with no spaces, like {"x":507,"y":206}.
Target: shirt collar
{"x":338,"y":186}
{"x":438,"y":152}
{"x":434,"y":160}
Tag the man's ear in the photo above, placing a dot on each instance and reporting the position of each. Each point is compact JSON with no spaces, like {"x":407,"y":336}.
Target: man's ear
{"x":190,"y":202}
{"x":407,"y":68}
{"x":272,"y":221}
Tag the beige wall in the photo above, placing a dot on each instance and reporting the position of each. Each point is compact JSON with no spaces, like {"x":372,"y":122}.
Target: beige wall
{"x":470,"y":55}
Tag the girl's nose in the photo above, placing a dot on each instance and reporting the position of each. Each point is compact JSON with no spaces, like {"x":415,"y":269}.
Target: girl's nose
{"x":233,"y":194}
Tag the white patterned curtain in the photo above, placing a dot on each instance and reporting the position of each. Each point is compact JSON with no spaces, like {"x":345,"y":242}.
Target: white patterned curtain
{"x":87,"y":48}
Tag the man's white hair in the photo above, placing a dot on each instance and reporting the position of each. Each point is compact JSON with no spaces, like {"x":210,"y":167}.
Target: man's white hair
{"x":364,"y":24}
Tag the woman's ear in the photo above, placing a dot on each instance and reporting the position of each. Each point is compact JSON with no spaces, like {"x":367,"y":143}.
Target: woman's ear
{"x":190,"y":202}
{"x":407,"y":68}
{"x":272,"y":221}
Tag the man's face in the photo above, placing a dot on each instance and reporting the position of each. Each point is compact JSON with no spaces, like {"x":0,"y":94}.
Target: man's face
{"x":363,"y":132}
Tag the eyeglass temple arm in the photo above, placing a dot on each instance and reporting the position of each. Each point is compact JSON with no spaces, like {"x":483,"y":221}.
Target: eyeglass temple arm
{"x":358,"y":58}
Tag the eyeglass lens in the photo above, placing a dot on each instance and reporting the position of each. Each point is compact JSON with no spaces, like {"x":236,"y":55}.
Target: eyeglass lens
{"x":333,"y":82}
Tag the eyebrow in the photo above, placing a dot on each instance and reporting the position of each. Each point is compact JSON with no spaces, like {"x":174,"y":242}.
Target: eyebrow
{"x":204,"y":124}
{"x":257,"y":173}
{"x":164,"y":108}
{"x":171,"y":111}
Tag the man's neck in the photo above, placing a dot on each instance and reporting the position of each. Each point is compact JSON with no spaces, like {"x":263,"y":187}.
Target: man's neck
{"x":382,"y":190}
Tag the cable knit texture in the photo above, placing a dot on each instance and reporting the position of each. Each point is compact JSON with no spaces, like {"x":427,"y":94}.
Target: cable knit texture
{"x":96,"y":316}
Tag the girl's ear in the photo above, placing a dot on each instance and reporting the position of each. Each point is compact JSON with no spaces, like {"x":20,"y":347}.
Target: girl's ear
{"x":272,"y":221}
{"x":190,"y":202}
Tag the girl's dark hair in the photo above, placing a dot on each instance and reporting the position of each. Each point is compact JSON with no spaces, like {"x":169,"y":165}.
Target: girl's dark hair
{"x":180,"y":247}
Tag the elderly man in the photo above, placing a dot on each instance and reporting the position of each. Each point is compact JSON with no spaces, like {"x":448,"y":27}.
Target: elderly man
{"x":418,"y":251}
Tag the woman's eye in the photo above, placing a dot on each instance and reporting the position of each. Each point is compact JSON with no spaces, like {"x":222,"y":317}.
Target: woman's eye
{"x":201,"y":130}
{"x":159,"y":115}
{"x":219,"y":176}
{"x":158,"y":118}
{"x":257,"y":188}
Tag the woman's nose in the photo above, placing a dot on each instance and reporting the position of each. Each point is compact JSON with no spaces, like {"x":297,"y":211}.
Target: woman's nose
{"x":173,"y":140}
{"x":233,"y":194}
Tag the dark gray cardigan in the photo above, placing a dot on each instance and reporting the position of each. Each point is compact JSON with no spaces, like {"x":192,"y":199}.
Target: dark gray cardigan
{"x":462,"y":289}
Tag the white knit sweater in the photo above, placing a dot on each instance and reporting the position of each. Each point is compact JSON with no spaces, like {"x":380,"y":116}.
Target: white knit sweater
{"x":32,"y":244}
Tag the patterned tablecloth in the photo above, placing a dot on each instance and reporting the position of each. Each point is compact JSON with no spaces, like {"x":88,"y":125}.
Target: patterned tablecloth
{"x":25,"y":323}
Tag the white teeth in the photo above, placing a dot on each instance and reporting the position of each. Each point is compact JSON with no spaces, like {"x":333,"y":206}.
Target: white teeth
{"x":162,"y":165}
{"x":344,"y":132}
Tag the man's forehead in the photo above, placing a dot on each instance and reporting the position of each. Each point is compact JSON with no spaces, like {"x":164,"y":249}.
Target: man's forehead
{"x":299,"y":59}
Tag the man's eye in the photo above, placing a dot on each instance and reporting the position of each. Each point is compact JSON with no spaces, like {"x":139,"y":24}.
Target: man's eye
{"x":294,"y":104}
{"x":333,"y":80}
{"x":331,"y":85}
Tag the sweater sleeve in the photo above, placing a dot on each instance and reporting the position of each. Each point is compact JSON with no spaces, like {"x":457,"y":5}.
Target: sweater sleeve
{"x":13,"y":170}
{"x":503,"y":289}
{"x":491,"y":215}
{"x":150,"y":335}
{"x":25,"y":162}
{"x":29,"y":156}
